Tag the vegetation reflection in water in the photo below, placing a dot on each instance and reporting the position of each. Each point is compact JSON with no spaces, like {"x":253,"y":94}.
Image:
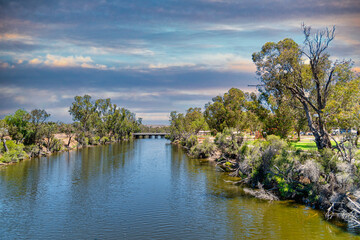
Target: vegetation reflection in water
{"x":142,"y":189}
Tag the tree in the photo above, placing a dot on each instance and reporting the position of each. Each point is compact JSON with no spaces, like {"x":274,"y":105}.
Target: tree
{"x":3,"y":132}
{"x":103,"y":118}
{"x":177,"y":128}
{"x":226,"y":111}
{"x":194,"y":121}
{"x":37,"y":119}
{"x":84,"y":111}
{"x":256,"y":113}
{"x":300,"y":121}
{"x":183,"y":126}
{"x":343,"y":108}
{"x":19,"y":125}
{"x":69,"y":130}
{"x":48,"y":131}
{"x":279,"y":121}
{"x":283,"y":70}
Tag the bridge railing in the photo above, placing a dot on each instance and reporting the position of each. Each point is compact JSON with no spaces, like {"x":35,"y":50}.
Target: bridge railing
{"x":143,"y":135}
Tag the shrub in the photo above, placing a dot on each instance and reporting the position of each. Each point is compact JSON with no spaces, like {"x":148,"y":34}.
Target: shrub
{"x":203,"y":150}
{"x":94,"y":140}
{"x":56,"y":146}
{"x":284,"y":188}
{"x":32,"y":150}
{"x":328,"y":160}
{"x":274,"y":142}
{"x":104,"y":140}
{"x":16,"y":152}
{"x":357,"y":172}
{"x":82,"y":139}
{"x":229,"y":142}
{"x":191,"y":141}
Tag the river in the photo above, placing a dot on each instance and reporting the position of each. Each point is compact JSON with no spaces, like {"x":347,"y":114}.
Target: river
{"x":143,"y":189}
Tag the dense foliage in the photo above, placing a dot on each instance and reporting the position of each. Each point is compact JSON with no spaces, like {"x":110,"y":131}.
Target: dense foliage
{"x":302,"y":90}
{"x":96,"y":122}
{"x":183,"y":126}
{"x":103,"y":119}
{"x":308,"y":76}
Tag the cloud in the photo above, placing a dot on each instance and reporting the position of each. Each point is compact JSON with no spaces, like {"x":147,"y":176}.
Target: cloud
{"x":170,"y":65}
{"x":28,"y":96}
{"x":59,"y":113}
{"x":14,"y":36}
{"x":69,"y":61}
{"x":154,"y":116}
{"x":118,"y":50}
{"x":225,"y":27}
{"x":35,"y":61}
{"x":6,"y":65}
{"x":158,"y":55}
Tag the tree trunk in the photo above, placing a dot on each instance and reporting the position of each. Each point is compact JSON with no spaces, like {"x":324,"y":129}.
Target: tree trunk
{"x":69,"y":141}
{"x":325,"y":138}
{"x":5,"y":146}
{"x":298,"y":136}
{"x":322,"y":138}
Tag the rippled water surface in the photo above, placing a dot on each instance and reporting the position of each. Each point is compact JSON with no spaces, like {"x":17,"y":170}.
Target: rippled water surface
{"x":145,"y":189}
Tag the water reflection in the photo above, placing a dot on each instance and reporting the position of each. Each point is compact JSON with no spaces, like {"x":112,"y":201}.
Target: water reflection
{"x":141,"y":189}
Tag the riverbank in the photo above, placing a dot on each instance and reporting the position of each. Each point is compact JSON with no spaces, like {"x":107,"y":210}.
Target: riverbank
{"x":19,"y":152}
{"x":142,"y":189}
{"x":274,"y":169}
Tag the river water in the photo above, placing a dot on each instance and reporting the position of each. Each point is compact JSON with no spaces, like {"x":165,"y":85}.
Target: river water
{"x":144,"y":189}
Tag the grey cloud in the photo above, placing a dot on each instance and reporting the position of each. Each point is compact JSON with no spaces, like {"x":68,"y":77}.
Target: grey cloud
{"x":55,"y":78}
{"x":17,"y":46}
{"x":186,"y":10}
{"x":168,"y":88}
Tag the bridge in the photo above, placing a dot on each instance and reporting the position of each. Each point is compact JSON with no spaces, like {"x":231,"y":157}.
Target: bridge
{"x":149,"y":135}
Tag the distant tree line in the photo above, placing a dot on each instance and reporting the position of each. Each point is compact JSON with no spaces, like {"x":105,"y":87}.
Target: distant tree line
{"x":95,"y":122}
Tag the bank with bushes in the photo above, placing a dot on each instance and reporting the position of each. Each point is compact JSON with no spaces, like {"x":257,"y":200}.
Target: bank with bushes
{"x":30,"y":134}
{"x":273,"y":169}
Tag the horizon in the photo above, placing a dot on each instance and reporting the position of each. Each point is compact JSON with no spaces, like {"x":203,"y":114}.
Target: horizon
{"x":151,"y":57}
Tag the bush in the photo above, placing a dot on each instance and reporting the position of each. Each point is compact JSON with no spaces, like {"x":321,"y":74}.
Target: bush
{"x":32,"y":150}
{"x":203,"y":150}
{"x":328,"y":161}
{"x":229,"y":142}
{"x":104,"y":140}
{"x":274,"y":142}
{"x":357,"y":172}
{"x":56,"y":146}
{"x":191,"y":141}
{"x":284,"y":188}
{"x":82,"y":139}
{"x":16,"y":152}
{"x":94,"y":140}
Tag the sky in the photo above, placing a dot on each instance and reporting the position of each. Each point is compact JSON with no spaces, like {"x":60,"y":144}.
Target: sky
{"x":150,"y":56}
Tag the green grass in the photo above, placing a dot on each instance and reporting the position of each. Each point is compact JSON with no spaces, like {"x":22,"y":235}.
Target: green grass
{"x":307,"y":145}
{"x":311,"y":145}
{"x":304,"y":145}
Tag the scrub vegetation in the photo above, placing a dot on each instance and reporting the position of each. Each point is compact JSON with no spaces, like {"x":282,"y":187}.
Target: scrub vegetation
{"x":302,"y":90}
{"x":29,"y":134}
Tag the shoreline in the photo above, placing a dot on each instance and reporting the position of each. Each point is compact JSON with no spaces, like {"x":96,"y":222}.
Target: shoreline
{"x":46,"y":154}
{"x":269,"y":195}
